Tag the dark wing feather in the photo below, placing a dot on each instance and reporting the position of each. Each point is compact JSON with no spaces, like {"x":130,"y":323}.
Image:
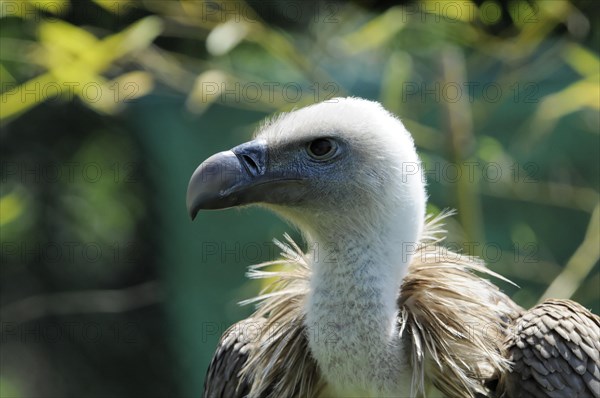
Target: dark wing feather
{"x":222,"y":378}
{"x":555,"y":348}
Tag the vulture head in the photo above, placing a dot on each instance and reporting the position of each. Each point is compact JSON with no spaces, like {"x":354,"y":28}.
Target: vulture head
{"x":346,"y":173}
{"x":346,"y":164}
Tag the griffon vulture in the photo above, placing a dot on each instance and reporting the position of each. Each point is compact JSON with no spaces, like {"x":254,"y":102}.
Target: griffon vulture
{"x":375,"y":307}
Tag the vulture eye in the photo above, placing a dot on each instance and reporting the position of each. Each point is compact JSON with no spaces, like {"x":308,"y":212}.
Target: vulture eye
{"x":322,"y":148}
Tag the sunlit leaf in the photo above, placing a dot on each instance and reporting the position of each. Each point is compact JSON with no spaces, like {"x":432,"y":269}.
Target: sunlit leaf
{"x":376,"y":32}
{"x":556,"y":9}
{"x":571,"y":99}
{"x":75,"y":59}
{"x":116,"y":7}
{"x":580,"y":264}
{"x":582,"y":60}
{"x":135,"y":37}
{"x":225,"y":37}
{"x":207,"y":89}
{"x":396,"y":75}
{"x":125,"y":88}
{"x":24,"y":96}
{"x":11,"y":207}
{"x":62,"y":38}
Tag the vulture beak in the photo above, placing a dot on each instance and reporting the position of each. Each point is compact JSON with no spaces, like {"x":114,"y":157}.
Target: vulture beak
{"x":235,"y":177}
{"x":226,"y":179}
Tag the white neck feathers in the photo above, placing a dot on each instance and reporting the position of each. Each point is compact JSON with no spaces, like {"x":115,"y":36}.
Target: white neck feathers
{"x":351,"y":312}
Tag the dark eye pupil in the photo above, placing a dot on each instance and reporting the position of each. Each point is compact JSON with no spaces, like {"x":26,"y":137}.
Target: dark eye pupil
{"x":320,"y":147}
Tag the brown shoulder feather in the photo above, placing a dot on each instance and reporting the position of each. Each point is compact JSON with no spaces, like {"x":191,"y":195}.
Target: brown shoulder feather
{"x":555,"y":347}
{"x":223,"y":376}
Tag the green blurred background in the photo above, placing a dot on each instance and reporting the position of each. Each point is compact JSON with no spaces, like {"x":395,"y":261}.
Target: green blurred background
{"x":108,"y":289}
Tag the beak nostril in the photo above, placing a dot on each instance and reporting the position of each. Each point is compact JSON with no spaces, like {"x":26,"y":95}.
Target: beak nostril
{"x":250,"y":164}
{"x":252,"y":156}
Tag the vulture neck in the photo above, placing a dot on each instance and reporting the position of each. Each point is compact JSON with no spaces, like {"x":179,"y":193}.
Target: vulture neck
{"x":352,"y":312}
